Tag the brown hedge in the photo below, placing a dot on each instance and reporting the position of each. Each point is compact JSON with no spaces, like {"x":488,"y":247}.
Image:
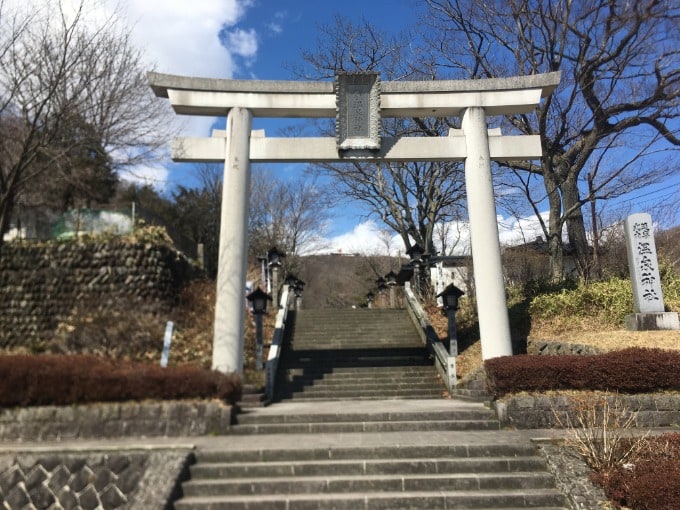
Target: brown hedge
{"x":27,"y":380}
{"x":650,"y":481}
{"x":633,"y":370}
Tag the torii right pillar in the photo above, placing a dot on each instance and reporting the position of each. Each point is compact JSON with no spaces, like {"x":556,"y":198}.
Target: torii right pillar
{"x":494,"y":326}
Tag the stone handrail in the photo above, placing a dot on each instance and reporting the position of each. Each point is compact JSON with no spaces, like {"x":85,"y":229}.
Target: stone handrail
{"x":445,"y":364}
{"x":276,"y":345}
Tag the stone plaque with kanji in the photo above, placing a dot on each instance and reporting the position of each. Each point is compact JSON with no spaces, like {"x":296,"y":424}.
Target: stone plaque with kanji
{"x":643,"y":263}
{"x":357,"y":111}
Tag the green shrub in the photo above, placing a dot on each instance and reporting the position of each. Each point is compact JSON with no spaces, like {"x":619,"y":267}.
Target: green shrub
{"x":609,"y":302}
{"x":670,"y":284}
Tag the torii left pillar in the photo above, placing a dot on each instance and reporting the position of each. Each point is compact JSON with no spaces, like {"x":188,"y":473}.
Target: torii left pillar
{"x":494,"y":324}
{"x":231,"y":272}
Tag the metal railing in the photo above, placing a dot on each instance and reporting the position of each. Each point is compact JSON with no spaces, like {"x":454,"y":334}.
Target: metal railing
{"x":444,"y":363}
{"x":277,"y":344}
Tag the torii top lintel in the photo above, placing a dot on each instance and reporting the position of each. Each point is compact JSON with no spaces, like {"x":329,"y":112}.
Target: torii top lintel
{"x":273,"y":98}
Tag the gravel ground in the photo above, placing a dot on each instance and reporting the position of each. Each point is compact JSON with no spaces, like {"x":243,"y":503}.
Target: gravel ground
{"x":572,"y":478}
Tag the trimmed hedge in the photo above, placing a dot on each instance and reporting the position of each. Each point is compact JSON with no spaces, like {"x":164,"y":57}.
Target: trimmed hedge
{"x":650,"y":482}
{"x":633,"y":370}
{"x":75,"y":379}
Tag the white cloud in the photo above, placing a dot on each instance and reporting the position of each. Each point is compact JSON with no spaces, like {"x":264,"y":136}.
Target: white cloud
{"x":155,"y":176}
{"x":242,"y":42}
{"x":182,"y":37}
{"x":513,"y":231}
{"x":275,"y":27}
{"x":367,"y":238}
{"x":176,"y":36}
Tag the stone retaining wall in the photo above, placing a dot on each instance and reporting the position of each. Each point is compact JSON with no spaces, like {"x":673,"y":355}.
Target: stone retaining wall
{"x":40,"y":285}
{"x":91,"y":480}
{"x":106,"y":420}
{"x":536,"y":412}
{"x":556,"y":348}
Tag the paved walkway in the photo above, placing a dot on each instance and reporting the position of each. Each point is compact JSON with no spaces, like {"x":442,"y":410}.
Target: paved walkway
{"x":277,"y":441}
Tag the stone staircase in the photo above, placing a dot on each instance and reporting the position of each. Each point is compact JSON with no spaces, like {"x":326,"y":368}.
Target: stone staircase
{"x":374,"y":416}
{"x":360,"y":423}
{"x":481,"y":476}
{"x":353,"y":355}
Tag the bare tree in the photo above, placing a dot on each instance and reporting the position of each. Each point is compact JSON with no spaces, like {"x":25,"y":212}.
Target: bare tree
{"x":60,"y":73}
{"x":410,"y":198}
{"x":289,"y":214}
{"x":616,"y":107}
{"x":196,"y":212}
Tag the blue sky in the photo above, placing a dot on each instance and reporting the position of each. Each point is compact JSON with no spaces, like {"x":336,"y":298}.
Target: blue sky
{"x":260,"y":39}
{"x":255,"y":39}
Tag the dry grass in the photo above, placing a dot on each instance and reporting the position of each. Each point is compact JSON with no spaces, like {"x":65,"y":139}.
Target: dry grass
{"x":598,"y":429}
{"x":567,"y":330}
{"x":193,"y":337}
{"x":591,"y":333}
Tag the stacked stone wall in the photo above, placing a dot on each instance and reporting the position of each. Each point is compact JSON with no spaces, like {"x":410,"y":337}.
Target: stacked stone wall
{"x":550,"y":411}
{"x":92,"y":480}
{"x":41,"y":285}
{"x":115,"y":419}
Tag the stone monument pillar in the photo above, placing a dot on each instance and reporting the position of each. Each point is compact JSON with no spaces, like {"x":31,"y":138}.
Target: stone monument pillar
{"x":645,"y":279}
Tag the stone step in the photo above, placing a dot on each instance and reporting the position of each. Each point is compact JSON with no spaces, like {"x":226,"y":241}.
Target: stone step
{"x":326,"y":360}
{"x":359,"y":365}
{"x":477,"y":413}
{"x":375,"y":384}
{"x":350,"y":394}
{"x":420,"y":465}
{"x":349,"y":371}
{"x":358,"y":378}
{"x":369,"y":426}
{"x":341,"y":375}
{"x":349,"y":321}
{"x":316,"y":313}
{"x":355,"y":359}
{"x":364,"y":333}
{"x":360,"y":382}
{"x":397,"y":327}
{"x":328,"y":328}
{"x":360,"y":398}
{"x":345,"y":343}
{"x":472,"y":395}
{"x":365,"y":351}
{"x":368,"y":483}
{"x":449,"y":451}
{"x":480,"y":499}
{"x":360,"y":331}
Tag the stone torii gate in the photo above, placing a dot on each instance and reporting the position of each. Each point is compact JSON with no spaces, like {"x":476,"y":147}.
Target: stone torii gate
{"x":358,"y":102}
